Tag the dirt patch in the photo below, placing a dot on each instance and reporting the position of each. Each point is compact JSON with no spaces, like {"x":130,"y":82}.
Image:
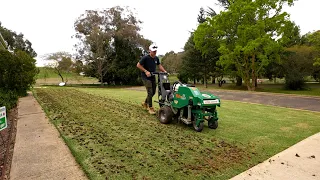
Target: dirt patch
{"x":302,"y":125}
{"x":142,"y":88}
{"x":222,"y":156}
{"x":7,"y":140}
{"x":285,"y":129}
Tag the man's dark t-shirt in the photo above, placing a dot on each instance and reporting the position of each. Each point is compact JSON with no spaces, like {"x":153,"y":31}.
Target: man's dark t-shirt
{"x":150,"y":65}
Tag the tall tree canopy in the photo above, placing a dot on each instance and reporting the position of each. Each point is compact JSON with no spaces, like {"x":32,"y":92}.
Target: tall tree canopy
{"x":3,"y":44}
{"x":172,"y":61}
{"x":314,"y":41}
{"x":16,"y":41}
{"x":197,"y":65}
{"x":109,"y":43}
{"x":251,"y":34}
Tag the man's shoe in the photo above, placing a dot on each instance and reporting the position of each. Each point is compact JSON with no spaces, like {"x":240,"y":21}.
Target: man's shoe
{"x":144,"y":105}
{"x":151,"y":111}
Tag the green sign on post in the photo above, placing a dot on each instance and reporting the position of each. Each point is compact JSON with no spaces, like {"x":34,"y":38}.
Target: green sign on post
{"x":3,"y":118}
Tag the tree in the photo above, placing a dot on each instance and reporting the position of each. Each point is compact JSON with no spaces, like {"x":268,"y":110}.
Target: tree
{"x":18,"y":69}
{"x":3,"y":44}
{"x":314,"y":41}
{"x":298,"y":63}
{"x":95,"y":37}
{"x":251,"y":35}
{"x":110,"y":42}
{"x":78,"y":66}
{"x":198,"y":65}
{"x":172,"y":61}
{"x":16,"y":41}
{"x":225,"y":3}
{"x":61,"y":62}
{"x":190,"y":68}
{"x":202,"y":36}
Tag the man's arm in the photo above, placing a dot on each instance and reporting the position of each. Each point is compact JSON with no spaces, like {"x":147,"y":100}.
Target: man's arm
{"x":143,"y":69}
{"x":161,"y":68}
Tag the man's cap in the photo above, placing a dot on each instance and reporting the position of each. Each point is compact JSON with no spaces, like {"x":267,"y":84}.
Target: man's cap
{"x":153,"y":47}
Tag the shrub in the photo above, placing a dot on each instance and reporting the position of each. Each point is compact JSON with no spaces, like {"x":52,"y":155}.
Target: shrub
{"x":183,"y":78}
{"x":17,"y":74}
{"x":8,"y":98}
{"x":294,"y":81}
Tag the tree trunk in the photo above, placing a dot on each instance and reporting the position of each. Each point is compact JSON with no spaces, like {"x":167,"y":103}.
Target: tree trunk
{"x":239,"y":81}
{"x":101,"y":79}
{"x":213,"y":79}
{"x":247,"y":81}
{"x":205,"y":77}
{"x":247,"y":76}
{"x":253,"y":74}
{"x":194,"y":80}
{"x":256,"y":82}
{"x":61,"y":76}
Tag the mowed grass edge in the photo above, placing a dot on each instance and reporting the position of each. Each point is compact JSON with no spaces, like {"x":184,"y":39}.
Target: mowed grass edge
{"x":240,"y":141}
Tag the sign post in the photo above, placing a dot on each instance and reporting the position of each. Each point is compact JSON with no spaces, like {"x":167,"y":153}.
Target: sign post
{"x":3,"y":118}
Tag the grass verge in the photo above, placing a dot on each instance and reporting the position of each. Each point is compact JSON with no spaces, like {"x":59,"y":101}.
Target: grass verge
{"x":111,"y":136}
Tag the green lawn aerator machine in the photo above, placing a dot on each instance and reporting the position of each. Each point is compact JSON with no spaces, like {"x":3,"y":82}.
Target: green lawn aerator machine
{"x":186,"y":104}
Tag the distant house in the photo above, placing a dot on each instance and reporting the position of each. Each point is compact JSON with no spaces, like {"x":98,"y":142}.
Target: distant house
{"x":3,"y":44}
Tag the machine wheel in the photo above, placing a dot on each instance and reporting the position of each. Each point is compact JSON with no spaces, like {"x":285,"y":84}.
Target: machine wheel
{"x":165,"y":114}
{"x":197,"y":128}
{"x":213,"y":124}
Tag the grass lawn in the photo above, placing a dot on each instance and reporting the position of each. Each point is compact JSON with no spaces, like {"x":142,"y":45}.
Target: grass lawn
{"x":111,"y":136}
{"x":47,"y":76}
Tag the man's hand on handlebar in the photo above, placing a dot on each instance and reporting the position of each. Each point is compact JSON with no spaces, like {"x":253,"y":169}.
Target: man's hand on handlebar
{"x":154,"y":73}
{"x":148,"y":73}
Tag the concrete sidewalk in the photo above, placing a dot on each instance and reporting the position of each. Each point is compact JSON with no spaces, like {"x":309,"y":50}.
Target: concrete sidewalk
{"x":39,"y":152}
{"x":301,"y":161}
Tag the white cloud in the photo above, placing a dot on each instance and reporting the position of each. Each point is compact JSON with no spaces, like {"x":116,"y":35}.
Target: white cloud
{"x":49,"y":24}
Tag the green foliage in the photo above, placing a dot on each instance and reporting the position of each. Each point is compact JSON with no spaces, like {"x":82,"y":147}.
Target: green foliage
{"x":3,"y":44}
{"x":110,"y":44}
{"x":298,"y":63}
{"x":8,"y":98}
{"x":17,"y":75}
{"x":190,"y":68}
{"x":17,"y":41}
{"x":247,"y":33}
{"x":314,"y":41}
{"x":199,"y":64}
{"x":294,"y":81}
{"x":225,"y":3}
{"x":78,"y":67}
{"x":60,"y":62}
{"x":183,"y":77}
{"x":122,"y":67}
{"x":172,"y":61}
{"x":18,"y":71}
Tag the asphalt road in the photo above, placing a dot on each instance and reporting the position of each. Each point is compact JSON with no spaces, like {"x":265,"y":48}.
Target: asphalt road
{"x":310,"y":103}
{"x":284,"y":100}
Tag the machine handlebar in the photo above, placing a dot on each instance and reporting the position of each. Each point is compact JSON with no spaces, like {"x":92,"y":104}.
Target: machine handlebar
{"x":154,"y":73}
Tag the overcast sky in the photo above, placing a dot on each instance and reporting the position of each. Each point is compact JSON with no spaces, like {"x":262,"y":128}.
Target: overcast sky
{"x":48,"y":24}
